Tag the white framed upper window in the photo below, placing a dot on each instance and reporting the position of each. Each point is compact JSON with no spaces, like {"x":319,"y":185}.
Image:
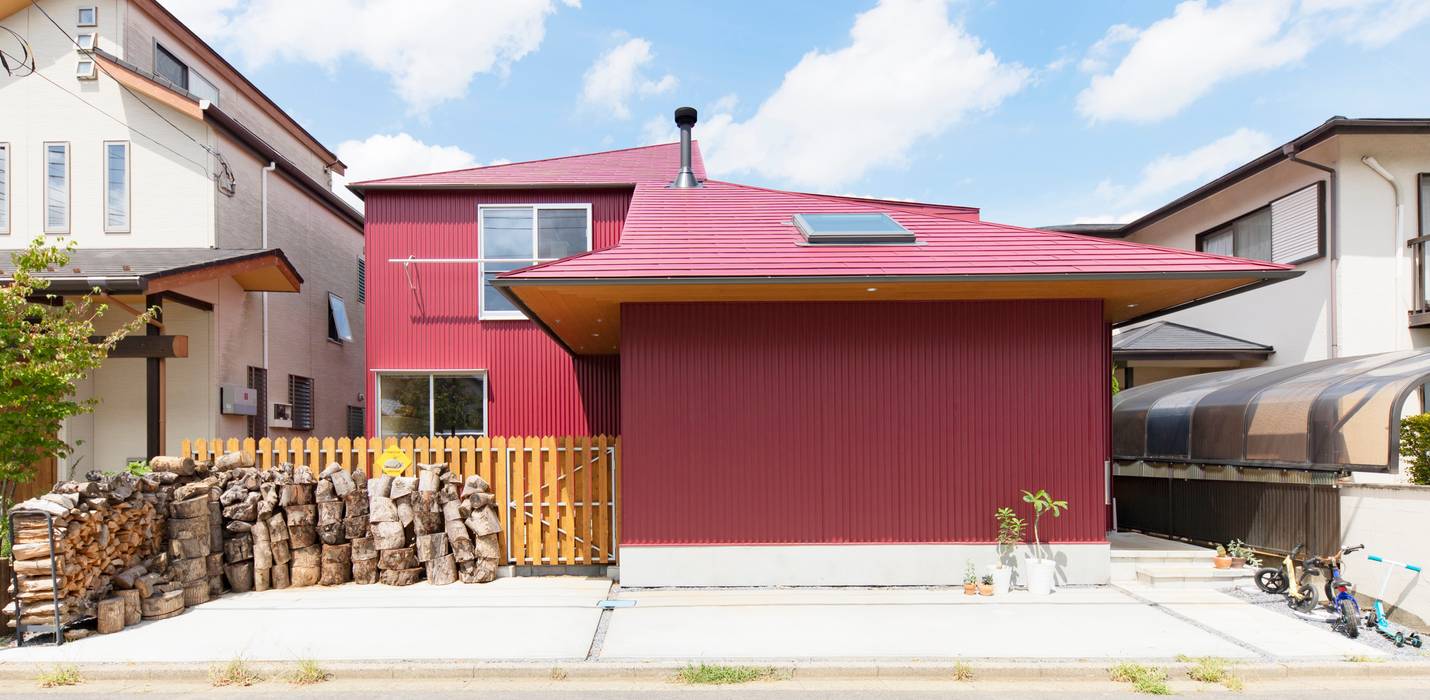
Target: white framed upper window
{"x":84,"y":69}
{"x":56,"y":187}
{"x":116,"y":187}
{"x":4,"y":188}
{"x":431,"y":404}
{"x":200,"y":87}
{"x":86,"y":41}
{"x":87,"y":16}
{"x":513,"y":236}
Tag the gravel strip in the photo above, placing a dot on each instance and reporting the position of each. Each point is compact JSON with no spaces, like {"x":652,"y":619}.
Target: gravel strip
{"x":1321,"y":619}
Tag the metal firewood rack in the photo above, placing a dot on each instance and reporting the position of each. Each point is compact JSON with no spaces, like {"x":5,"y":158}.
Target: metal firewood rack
{"x":21,"y":628}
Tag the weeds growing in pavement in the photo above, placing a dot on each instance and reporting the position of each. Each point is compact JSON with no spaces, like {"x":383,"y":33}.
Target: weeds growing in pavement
{"x":235,"y":672}
{"x":1210,"y":669}
{"x":706,"y":674}
{"x":60,"y":676}
{"x":1358,"y":659}
{"x":962,"y":672}
{"x":558,"y":674}
{"x":1152,"y":681}
{"x":308,"y":672}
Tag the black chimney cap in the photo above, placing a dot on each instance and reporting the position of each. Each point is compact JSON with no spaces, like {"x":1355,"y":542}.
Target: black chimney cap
{"x":685,"y":117}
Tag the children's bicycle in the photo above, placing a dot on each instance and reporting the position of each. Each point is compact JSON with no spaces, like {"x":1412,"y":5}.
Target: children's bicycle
{"x":1340,"y":593}
{"x":1271,"y":579}
{"x":1376,"y":618}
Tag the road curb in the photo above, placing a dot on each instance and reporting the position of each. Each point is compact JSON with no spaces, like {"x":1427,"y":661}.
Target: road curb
{"x":984,"y":670}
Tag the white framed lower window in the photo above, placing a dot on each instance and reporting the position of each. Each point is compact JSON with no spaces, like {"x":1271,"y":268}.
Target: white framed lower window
{"x":513,"y":236}
{"x":56,"y":188}
{"x":116,"y":186}
{"x":431,"y":404}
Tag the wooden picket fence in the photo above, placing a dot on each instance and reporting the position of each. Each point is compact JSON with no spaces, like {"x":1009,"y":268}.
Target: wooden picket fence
{"x":562,"y":493}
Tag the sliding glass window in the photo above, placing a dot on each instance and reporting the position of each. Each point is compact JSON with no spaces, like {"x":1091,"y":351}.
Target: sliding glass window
{"x":57,"y":188}
{"x":116,"y":187}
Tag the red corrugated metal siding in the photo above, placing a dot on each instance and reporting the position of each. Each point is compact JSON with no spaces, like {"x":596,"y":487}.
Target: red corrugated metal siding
{"x":534,"y":387}
{"x":860,"y":422}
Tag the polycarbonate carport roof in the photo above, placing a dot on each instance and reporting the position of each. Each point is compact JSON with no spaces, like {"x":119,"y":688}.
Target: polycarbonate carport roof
{"x":1330,"y":414}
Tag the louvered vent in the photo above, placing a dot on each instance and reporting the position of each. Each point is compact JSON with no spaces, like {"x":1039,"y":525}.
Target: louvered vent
{"x":300,"y":394}
{"x":258,"y":422}
{"x":362,"y":280}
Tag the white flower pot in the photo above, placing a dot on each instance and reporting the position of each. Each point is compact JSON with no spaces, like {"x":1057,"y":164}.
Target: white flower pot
{"x":1040,"y":575}
{"x":1002,"y":578}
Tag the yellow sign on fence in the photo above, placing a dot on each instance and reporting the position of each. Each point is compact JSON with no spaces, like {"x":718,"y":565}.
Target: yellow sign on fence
{"x":393,"y":461}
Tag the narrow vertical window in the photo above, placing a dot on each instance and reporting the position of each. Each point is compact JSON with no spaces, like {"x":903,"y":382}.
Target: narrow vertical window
{"x":4,"y":188}
{"x":57,"y":188}
{"x":116,"y":187}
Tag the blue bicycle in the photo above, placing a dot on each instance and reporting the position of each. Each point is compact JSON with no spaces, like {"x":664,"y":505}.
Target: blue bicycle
{"x":1376,"y":618}
{"x":1340,"y":593}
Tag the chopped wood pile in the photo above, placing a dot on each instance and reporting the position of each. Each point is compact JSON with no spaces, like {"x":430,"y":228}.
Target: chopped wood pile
{"x":104,"y":528}
{"x":129,"y":548}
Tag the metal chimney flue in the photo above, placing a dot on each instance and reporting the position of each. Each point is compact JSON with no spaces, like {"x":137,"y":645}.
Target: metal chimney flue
{"x":685,"y":118}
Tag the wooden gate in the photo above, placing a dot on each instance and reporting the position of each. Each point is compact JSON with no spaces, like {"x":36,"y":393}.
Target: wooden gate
{"x":562,"y":494}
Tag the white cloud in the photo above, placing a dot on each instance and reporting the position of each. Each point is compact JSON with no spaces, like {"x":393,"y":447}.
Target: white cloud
{"x":1179,"y":59}
{"x":619,"y":74}
{"x":1172,"y":174}
{"x":391,"y":155}
{"x":908,"y":73}
{"x":431,"y":50}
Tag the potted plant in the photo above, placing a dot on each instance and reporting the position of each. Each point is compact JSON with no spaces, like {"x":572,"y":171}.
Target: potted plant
{"x":1240,"y":553}
{"x":1222,"y":561}
{"x":1041,"y":569}
{"x":970,"y":578}
{"x":985,"y":586}
{"x":1010,"y":535}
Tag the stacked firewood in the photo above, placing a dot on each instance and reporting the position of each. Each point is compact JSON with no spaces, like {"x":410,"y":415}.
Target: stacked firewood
{"x":195,"y":521}
{"x":103,"y":527}
{"x":479,"y":511}
{"x":239,"y":499}
{"x":390,"y":516}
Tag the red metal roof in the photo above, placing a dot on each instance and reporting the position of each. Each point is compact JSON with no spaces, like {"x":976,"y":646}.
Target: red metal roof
{"x":729,"y":230}
{"x":644,"y":164}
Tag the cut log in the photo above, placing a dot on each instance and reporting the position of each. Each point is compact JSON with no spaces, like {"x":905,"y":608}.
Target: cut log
{"x":145,"y":584}
{"x":300,"y":536}
{"x":486,"y":547}
{"x":262,"y":577}
{"x":354,"y":526}
{"x":402,"y":486}
{"x":484,"y":522}
{"x":427,"y":522}
{"x":428,"y":477}
{"x":125,"y":579}
{"x":337,"y":565}
{"x":324,"y":492}
{"x":238,"y":548}
{"x":183,"y":466}
{"x":189,"y":547}
{"x":161,"y":605}
{"x":362,"y":549}
{"x":303,"y":576}
{"x":442,"y":571}
{"x":330,"y":512}
{"x":232,"y":460}
{"x":388,"y":535}
{"x":189,"y":528}
{"x":404,"y":558}
{"x":246,"y":511}
{"x":190,"y":508}
{"x":282,"y":553}
{"x":295,"y":494}
{"x":110,"y":615}
{"x":188,"y":570}
{"x":452,"y":510}
{"x":277,"y":527}
{"x":430,"y":547}
{"x":355,"y":503}
{"x":379,"y":487}
{"x":214,"y":564}
{"x":405,"y":512}
{"x":132,"y":611}
{"x":301,"y":515}
{"x":307,"y":557}
{"x":343,"y":483}
{"x":240,"y":576}
{"x":196,"y":593}
{"x":381,"y":510}
{"x":401,"y":577}
{"x":365,"y":571}
{"x":215,"y":586}
{"x":280,"y":578}
{"x":332,"y":533}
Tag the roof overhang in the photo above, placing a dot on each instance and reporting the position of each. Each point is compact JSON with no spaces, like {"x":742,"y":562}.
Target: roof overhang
{"x":361,"y":189}
{"x":261,"y":271}
{"x":583,"y":314}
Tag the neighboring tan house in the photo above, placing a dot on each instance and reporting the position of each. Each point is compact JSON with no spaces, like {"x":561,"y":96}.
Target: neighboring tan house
{"x":184,"y":187}
{"x":1343,"y":203}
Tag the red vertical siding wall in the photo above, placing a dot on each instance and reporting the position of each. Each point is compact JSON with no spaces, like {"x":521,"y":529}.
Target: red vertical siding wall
{"x":860,"y":422}
{"x":533,"y":386}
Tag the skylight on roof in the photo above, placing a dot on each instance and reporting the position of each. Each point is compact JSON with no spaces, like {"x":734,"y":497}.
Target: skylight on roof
{"x":851,"y":228}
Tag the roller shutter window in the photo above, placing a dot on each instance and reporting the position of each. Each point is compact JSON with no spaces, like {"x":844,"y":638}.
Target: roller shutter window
{"x":1296,"y":226}
{"x":300,"y":395}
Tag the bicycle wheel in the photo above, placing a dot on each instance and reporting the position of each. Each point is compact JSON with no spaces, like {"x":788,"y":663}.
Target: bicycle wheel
{"x":1307,"y":602}
{"x":1270,"y":580}
{"x":1349,"y":624}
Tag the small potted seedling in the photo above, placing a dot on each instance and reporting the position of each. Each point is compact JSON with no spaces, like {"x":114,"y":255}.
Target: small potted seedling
{"x":1222,"y":560}
{"x":985,"y":586}
{"x":1010,"y":535}
{"x":970,"y":579}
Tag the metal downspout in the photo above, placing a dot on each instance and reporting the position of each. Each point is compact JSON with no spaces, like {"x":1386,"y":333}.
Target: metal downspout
{"x":1333,"y":245}
{"x":264,"y":245}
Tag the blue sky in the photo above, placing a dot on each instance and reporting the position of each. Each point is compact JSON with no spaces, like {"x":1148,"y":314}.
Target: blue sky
{"x":1037,"y":112}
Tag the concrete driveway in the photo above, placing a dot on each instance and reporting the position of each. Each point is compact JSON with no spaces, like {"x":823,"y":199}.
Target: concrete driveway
{"x":546,"y":619}
{"x":1102,"y":622}
{"x":510,"y":619}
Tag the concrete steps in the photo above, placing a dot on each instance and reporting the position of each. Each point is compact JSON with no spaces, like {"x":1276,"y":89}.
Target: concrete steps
{"x":1169,"y":564}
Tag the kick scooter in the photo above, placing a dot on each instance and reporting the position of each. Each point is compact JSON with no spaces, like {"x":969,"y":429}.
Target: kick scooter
{"x":1376,"y":617}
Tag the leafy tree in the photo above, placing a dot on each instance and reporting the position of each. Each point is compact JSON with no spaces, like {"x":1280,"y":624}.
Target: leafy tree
{"x":45,"y":349}
{"x":1415,"y":446}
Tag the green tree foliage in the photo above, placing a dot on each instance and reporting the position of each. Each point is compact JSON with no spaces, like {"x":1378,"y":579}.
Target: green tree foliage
{"x":45,"y":349}
{"x":1415,"y":446}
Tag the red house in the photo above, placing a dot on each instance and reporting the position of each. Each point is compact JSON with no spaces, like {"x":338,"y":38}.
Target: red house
{"x":811,"y":389}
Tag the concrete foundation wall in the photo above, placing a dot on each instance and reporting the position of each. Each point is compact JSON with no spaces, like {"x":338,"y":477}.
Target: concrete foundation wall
{"x":839,"y":565}
{"x":1389,"y":520}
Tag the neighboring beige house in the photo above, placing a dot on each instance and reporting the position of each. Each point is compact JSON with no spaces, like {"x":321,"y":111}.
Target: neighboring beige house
{"x":1341,"y":202}
{"x":184,"y":186}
